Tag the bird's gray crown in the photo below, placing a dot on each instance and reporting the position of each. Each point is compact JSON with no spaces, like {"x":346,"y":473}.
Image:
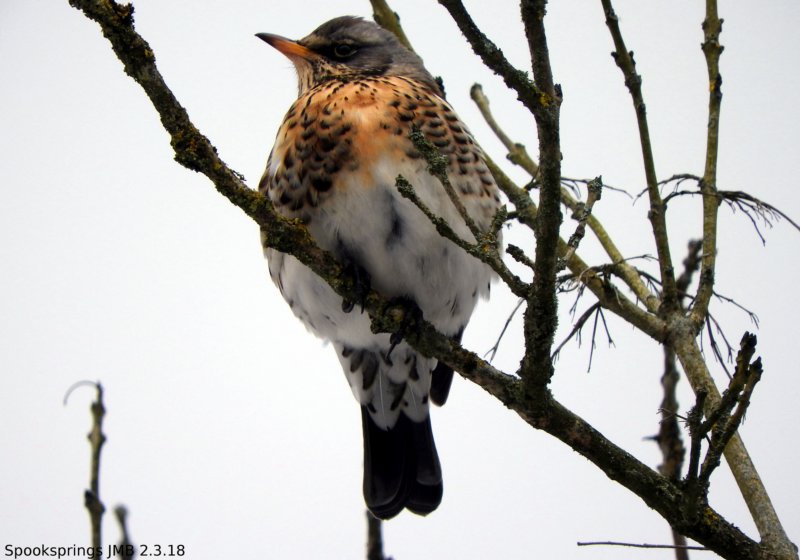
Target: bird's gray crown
{"x":364,"y":48}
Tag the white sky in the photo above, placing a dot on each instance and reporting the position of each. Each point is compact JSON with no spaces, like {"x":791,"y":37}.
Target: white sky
{"x":231,"y":430}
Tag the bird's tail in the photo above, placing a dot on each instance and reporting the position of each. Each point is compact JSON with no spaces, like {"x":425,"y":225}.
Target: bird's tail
{"x":401,"y":467}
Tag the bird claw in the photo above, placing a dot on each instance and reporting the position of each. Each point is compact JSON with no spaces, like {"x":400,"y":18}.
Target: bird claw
{"x":361,"y":284}
{"x":412,"y":315}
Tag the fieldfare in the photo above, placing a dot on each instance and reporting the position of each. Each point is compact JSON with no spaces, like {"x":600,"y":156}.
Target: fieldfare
{"x":334,"y":164}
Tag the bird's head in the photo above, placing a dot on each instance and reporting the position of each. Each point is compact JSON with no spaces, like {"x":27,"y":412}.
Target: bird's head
{"x":347,"y":48}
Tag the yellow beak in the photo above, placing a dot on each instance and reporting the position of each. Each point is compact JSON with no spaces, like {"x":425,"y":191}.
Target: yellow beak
{"x":291,"y":49}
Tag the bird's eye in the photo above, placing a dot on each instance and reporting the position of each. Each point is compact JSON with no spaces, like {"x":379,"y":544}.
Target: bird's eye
{"x":343,"y":50}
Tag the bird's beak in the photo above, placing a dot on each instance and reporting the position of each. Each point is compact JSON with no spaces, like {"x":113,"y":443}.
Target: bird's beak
{"x":291,"y":49}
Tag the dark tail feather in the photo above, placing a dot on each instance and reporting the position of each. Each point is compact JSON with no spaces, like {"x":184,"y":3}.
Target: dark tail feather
{"x":401,"y":467}
{"x":441,"y":379}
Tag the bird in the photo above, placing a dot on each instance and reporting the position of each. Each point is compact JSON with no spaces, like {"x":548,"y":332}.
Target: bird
{"x":333,"y":167}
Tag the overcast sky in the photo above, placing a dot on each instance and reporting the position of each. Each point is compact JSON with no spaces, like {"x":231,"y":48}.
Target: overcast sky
{"x":230,"y":429}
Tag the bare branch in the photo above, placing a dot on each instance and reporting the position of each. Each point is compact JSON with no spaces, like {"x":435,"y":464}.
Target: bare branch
{"x":484,"y":250}
{"x":525,"y":209}
{"x":519,"y":255}
{"x":541,"y":313}
{"x":126,"y":550}
{"x":582,"y":214}
{"x":749,"y":205}
{"x":633,"y":81}
{"x":576,"y":328}
{"x":605,"y":292}
{"x":517,"y":153}
{"x":711,"y":325}
{"x":388,"y":19}
{"x":753,"y":317}
{"x":712,"y":27}
{"x":375,"y":538}
{"x":494,"y":58}
{"x":634,"y":545}
{"x":492,"y":352}
{"x":91,"y":496}
{"x":669,"y":438}
{"x":437,"y":166}
{"x":737,"y":394}
{"x":694,"y":421}
{"x":747,"y":202}
{"x":774,"y":539}
{"x":720,"y":422}
{"x":691,"y":264}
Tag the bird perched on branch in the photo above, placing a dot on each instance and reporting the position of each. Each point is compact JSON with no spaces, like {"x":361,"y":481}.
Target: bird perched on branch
{"x":334,"y":165}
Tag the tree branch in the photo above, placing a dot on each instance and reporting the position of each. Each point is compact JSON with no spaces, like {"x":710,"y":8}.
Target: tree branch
{"x":96,"y":437}
{"x":582,"y":213}
{"x":541,"y":316}
{"x":677,"y":547}
{"x":633,"y":82}
{"x":712,"y":27}
{"x":773,"y":537}
{"x":737,"y":394}
{"x":375,"y":538}
{"x":494,"y":59}
{"x":484,"y":249}
{"x":388,"y":19}
{"x":126,"y":550}
{"x":669,"y":436}
{"x":518,"y":154}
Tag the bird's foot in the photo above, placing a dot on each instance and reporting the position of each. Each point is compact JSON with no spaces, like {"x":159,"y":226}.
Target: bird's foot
{"x":412,"y":315}
{"x":361,"y":285}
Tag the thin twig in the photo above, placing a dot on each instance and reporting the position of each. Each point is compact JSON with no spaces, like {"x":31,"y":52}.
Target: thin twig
{"x":634,"y":545}
{"x":753,"y":317}
{"x":517,"y":153}
{"x":624,"y":59}
{"x":534,"y":99}
{"x":721,"y":421}
{"x":737,"y":457}
{"x":91,"y":496}
{"x":605,"y":291}
{"x":711,"y":325}
{"x":576,"y":328}
{"x":764,"y":210}
{"x":712,"y":27}
{"x":482,"y":251}
{"x":493,"y":350}
{"x":437,"y":166}
{"x":669,"y":437}
{"x":126,"y":549}
{"x":582,"y":214}
{"x":525,"y":209}
{"x":375,"y":538}
{"x":694,"y":421}
{"x":388,"y":19}
{"x":599,"y":316}
{"x":749,"y":205}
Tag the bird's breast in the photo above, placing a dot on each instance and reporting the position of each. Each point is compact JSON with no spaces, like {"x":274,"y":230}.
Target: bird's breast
{"x":334,"y":135}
